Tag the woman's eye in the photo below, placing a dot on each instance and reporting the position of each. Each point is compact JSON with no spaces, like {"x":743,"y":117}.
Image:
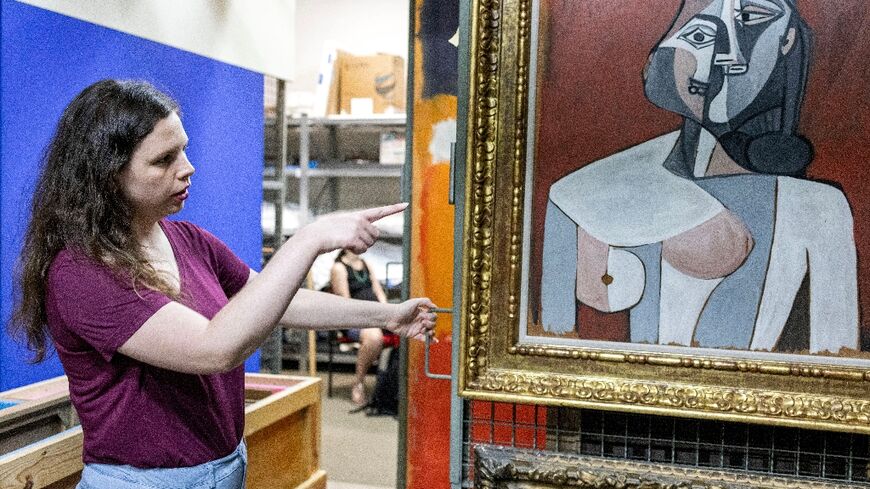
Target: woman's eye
{"x":699,"y":36}
{"x":754,"y":15}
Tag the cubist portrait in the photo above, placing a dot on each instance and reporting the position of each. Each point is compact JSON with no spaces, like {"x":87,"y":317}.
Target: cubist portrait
{"x":712,"y":235}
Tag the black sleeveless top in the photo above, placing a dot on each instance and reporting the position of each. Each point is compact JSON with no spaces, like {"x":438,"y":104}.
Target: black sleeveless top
{"x":359,"y":282}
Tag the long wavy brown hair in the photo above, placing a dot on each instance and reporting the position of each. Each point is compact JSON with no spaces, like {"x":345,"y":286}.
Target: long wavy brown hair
{"x":78,"y":203}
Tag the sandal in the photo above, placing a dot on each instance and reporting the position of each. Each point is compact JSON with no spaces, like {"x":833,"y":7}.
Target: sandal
{"x":358,"y":394}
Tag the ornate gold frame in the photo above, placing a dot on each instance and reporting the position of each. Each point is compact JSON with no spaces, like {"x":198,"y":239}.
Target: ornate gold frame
{"x":495,"y":366}
{"x":509,"y":468}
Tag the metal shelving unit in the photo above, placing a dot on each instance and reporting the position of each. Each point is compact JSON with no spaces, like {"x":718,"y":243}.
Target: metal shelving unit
{"x":278,"y":173}
{"x":339,"y":170}
{"x":275,"y":173}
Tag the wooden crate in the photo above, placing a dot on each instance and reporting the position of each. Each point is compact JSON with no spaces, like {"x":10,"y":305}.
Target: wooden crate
{"x":282,"y":431}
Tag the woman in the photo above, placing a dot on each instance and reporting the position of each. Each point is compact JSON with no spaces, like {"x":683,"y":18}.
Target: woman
{"x":351,"y":277}
{"x":153,"y":318}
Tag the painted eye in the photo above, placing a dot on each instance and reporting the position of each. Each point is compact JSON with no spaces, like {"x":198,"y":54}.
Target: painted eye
{"x":699,"y":36}
{"x":754,"y":15}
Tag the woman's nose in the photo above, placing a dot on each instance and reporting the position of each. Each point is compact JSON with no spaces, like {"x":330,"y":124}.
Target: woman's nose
{"x":187,"y":169}
{"x":728,"y":54}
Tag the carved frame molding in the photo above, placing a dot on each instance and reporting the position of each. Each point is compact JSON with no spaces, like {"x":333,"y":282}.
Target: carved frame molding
{"x":503,"y":468}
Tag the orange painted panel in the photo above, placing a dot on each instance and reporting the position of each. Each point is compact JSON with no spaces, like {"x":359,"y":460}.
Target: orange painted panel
{"x":428,"y":431}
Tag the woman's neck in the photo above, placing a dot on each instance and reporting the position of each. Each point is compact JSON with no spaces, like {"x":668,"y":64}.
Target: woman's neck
{"x":147,"y":232}
{"x":722,"y":164}
{"x":708,"y":157}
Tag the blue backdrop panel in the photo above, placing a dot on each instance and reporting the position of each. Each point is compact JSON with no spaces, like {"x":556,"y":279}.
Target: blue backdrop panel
{"x":47,"y":59}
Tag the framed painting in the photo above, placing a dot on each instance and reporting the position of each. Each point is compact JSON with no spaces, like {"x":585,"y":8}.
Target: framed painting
{"x":666,"y":208}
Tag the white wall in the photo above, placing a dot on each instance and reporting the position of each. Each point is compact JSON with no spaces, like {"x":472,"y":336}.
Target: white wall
{"x":257,"y":36}
{"x":357,"y":26}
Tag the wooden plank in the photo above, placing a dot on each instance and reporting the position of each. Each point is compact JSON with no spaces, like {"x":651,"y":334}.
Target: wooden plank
{"x":43,"y":463}
{"x":269,"y":410}
{"x":312,"y":353}
{"x":316,"y":481}
{"x":278,"y":455}
{"x":55,"y":387}
{"x":282,"y":431}
{"x":70,"y":482}
{"x":278,"y":379}
{"x":283,"y":437}
{"x":282,"y":454}
{"x":45,"y":396}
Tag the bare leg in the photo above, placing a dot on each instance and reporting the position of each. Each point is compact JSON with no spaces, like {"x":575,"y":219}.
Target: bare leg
{"x":372,"y":340}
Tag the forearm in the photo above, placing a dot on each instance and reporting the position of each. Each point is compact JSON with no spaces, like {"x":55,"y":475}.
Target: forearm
{"x":251,"y":315}
{"x":321,"y":311}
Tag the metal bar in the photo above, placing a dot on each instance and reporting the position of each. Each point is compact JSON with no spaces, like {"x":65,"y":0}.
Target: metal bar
{"x":491,"y":422}
{"x":429,"y":343}
{"x":307,"y":357}
{"x":304,"y":157}
{"x":281,"y":128}
{"x":451,"y":185}
{"x":513,"y":425}
{"x":427,"y":371}
{"x":458,"y":406}
{"x":331,"y":339}
{"x":851,"y":458}
{"x":272,"y":349}
{"x":407,"y":191}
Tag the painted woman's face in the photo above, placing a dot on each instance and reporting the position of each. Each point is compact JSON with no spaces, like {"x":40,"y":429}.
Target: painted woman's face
{"x":720,"y":63}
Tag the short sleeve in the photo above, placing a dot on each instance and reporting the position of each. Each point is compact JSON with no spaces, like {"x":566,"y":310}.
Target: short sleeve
{"x":91,"y":303}
{"x":231,"y":271}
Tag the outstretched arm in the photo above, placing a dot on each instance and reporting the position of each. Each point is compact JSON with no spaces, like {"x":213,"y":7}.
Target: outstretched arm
{"x":311,"y":309}
{"x":178,"y":338}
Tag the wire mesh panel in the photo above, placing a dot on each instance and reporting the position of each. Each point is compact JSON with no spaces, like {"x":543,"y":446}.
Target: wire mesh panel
{"x":771,"y":450}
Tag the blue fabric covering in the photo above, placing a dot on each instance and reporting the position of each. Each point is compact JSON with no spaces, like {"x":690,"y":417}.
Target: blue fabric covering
{"x":47,"y":58}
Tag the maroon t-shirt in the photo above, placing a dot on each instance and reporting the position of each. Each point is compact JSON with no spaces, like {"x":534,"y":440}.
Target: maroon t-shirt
{"x":133,"y":413}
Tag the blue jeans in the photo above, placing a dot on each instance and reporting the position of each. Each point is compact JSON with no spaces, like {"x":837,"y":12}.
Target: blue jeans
{"x":224,"y":473}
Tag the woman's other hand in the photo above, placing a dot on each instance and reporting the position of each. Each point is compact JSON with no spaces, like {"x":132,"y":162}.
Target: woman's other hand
{"x":354,"y":231}
{"x":413,"y":319}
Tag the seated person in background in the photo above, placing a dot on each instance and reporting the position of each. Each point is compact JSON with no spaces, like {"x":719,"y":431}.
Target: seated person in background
{"x":351,"y":277}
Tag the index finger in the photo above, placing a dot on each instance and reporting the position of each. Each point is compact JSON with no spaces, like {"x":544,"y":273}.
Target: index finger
{"x":376,"y":213}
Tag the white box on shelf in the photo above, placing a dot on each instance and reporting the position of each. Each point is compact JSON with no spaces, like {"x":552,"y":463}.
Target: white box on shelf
{"x":362,"y":106}
{"x":392,"y":149}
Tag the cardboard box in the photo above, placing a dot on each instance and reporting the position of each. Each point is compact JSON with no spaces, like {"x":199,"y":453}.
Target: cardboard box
{"x":380,"y":78}
{"x":392,"y":149}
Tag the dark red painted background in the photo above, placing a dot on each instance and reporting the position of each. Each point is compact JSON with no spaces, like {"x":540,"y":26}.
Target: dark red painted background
{"x":591,"y":104}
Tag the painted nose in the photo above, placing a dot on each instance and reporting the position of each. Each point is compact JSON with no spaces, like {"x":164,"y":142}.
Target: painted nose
{"x":728,"y":54}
